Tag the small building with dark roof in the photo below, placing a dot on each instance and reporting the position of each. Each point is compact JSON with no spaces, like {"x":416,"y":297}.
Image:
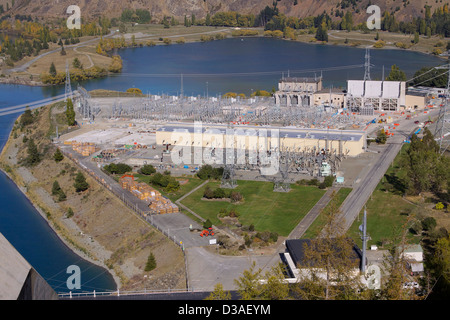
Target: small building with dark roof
{"x":294,"y":257}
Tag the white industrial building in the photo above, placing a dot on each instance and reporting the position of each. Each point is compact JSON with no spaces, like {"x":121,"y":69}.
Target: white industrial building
{"x":376,"y":95}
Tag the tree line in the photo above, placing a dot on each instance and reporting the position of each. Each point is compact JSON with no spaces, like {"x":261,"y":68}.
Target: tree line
{"x":436,"y":23}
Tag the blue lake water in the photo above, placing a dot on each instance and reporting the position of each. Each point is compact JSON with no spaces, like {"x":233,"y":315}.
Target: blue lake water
{"x":211,"y":68}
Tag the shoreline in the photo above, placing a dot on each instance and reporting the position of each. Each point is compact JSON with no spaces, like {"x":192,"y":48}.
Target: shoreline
{"x":77,"y":251}
{"x":67,"y":243}
{"x":26,"y":82}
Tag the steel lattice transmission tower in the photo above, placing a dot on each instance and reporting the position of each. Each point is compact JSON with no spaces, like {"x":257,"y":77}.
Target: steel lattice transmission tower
{"x":228,"y":177}
{"x":282,"y":184}
{"x":367,"y":66}
{"x":68,"y":91}
{"x":442,"y":133}
{"x":84,"y":104}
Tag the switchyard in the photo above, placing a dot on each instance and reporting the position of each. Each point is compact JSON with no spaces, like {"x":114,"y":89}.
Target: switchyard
{"x":295,"y":142}
{"x":302,"y":130}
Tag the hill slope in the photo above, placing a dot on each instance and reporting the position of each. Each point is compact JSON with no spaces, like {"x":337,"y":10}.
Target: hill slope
{"x":180,"y":8}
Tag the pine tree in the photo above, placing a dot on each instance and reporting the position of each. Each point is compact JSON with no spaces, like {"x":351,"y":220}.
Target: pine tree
{"x":57,"y":191}
{"x":80,"y":183}
{"x":151,"y":262}
{"x":33,"y":154}
{"x":321,"y":33}
{"x":55,"y":188}
{"x":58,"y":156}
{"x":416,"y":38}
{"x":26,"y":118}
{"x":52,"y":70}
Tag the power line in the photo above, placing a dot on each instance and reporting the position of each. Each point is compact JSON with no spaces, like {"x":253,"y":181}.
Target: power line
{"x":426,"y":73}
{"x":235,"y":74}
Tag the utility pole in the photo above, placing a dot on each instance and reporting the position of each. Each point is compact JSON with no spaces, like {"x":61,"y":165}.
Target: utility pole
{"x":182,"y":92}
{"x":68,"y":87}
{"x":443,"y":126}
{"x":364,"y":238}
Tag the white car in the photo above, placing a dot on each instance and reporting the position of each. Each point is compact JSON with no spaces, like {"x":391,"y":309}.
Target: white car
{"x":410,"y":285}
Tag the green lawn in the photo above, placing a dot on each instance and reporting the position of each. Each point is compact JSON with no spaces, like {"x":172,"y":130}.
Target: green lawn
{"x":386,"y":214}
{"x":387,"y":211}
{"x":266,"y":210}
{"x":320,"y":221}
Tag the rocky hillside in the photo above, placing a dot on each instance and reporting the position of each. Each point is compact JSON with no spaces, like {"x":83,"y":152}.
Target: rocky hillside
{"x":179,"y":8}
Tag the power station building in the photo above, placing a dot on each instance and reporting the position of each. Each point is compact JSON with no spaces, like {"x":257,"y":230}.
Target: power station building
{"x":340,"y":142}
{"x":297,"y":91}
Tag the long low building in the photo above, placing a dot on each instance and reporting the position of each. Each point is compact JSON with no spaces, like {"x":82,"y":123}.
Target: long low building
{"x":340,"y":142}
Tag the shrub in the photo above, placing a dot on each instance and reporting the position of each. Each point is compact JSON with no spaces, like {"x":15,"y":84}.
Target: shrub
{"x":207,"y":224}
{"x":26,"y":118}
{"x":264,"y":236}
{"x":244,"y":33}
{"x":428,"y":224}
{"x":379,"y":44}
{"x":233,"y":214}
{"x":437,"y":51}
{"x":223,"y":213}
{"x":273,"y":236}
{"x":439,"y":206}
{"x":147,"y":169}
{"x":247,"y":240}
{"x":328,"y":181}
{"x":134,"y":90}
{"x":208,"y":193}
{"x":208,"y":172}
{"x":235,"y":196}
{"x":206,"y":38}
{"x":119,"y":168}
{"x":381,"y":137}
{"x":151,"y":262}
{"x":69,"y":213}
{"x":219,"y":193}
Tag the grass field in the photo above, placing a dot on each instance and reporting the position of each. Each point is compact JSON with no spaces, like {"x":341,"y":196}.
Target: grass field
{"x":266,"y":210}
{"x":320,"y":221}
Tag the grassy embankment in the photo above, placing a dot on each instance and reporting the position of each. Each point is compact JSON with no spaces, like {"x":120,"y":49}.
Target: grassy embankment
{"x":389,"y":211}
{"x":263,"y":208}
{"x":112,"y":235}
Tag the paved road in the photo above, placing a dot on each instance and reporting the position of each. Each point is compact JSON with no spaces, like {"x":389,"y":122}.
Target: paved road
{"x":361,"y":192}
{"x":206,"y":269}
